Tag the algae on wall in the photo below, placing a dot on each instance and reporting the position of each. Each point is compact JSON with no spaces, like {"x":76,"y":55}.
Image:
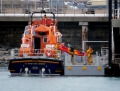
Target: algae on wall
{"x":11,"y":37}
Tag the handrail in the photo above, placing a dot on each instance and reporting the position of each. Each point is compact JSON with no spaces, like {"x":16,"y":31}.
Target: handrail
{"x":58,"y":15}
{"x":78,"y":12}
{"x":37,"y":52}
{"x":79,"y":60}
{"x":116,"y":14}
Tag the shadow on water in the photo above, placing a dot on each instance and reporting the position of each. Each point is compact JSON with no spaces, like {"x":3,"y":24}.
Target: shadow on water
{"x":34,"y":75}
{"x":5,"y":71}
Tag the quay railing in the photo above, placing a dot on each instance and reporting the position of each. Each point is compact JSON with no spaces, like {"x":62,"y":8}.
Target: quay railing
{"x":59,"y":7}
{"x":66,"y":13}
{"x":116,"y":14}
{"x":74,"y":7}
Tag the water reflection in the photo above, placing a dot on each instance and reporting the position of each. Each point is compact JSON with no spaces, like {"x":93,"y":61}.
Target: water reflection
{"x":56,"y":83}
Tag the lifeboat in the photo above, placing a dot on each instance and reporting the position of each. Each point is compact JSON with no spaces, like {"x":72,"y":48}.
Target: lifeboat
{"x":36,"y":54}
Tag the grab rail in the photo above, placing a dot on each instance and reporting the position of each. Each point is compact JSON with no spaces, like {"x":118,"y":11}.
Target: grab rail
{"x":78,"y":60}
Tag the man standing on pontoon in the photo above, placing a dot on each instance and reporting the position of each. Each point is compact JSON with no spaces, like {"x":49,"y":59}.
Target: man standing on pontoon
{"x":89,"y":55}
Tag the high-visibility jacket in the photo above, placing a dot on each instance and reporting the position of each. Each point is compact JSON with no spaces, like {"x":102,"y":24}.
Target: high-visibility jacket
{"x":89,"y":52}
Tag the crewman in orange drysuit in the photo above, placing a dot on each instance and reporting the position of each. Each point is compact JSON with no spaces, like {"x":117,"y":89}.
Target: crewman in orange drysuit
{"x":57,"y":50}
{"x":89,"y":55}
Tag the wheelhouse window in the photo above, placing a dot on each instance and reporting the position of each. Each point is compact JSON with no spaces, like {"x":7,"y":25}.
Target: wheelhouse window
{"x":44,"y":40}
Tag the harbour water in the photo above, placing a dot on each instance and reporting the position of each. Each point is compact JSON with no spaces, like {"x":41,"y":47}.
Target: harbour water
{"x":56,"y":83}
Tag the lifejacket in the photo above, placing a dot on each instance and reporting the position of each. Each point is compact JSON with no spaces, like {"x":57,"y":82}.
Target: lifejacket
{"x":89,"y":52}
{"x":49,"y":52}
{"x":57,"y":46}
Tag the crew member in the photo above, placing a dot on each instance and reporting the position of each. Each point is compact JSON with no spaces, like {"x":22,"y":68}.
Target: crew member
{"x":56,"y":50}
{"x":89,"y":54}
{"x":57,"y":45}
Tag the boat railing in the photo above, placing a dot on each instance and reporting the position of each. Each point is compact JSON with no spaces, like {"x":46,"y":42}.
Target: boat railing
{"x":36,"y":53}
{"x":96,"y":59}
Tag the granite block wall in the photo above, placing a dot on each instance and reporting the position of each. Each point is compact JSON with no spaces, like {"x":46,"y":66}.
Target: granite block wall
{"x":10,"y":36}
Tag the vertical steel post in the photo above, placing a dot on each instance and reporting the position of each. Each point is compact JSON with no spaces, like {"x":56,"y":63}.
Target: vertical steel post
{"x":42,"y":5}
{"x":1,"y":6}
{"x":35,"y":5}
{"x":115,"y":8}
{"x":27,"y":4}
{"x":110,"y":31}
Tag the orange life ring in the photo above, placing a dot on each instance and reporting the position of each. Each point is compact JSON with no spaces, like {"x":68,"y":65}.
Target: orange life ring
{"x":49,"y":53}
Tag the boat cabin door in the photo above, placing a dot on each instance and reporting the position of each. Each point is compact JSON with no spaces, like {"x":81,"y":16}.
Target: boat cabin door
{"x":37,"y":43}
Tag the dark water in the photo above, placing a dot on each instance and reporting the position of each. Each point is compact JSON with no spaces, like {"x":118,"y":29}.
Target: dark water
{"x":56,"y":83}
